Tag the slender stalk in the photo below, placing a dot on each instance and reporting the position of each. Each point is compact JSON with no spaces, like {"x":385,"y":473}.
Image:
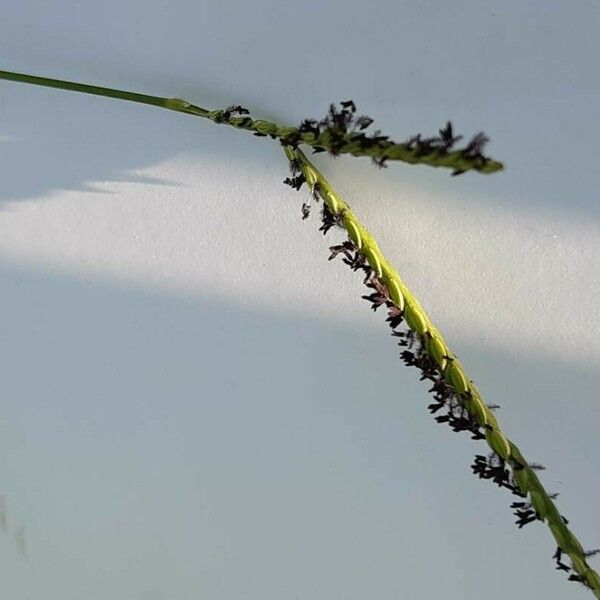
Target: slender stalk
{"x":334,"y":137}
{"x":448,"y":365}
{"x":169,"y":103}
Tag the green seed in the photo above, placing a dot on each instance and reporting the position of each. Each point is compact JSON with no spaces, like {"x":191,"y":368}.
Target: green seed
{"x":332,"y":200}
{"x":283,"y":131}
{"x":353,"y":233}
{"x":567,"y":541}
{"x":498,"y":443}
{"x":522,"y":480}
{"x":477,"y":409}
{"x":558,"y":531}
{"x":266,"y":127}
{"x":437,"y":350}
{"x":539,"y":503}
{"x":574,"y":544}
{"x":414,"y":318}
{"x":395,"y":293}
{"x":579,"y":564}
{"x":491,"y":420}
{"x":455,"y":377}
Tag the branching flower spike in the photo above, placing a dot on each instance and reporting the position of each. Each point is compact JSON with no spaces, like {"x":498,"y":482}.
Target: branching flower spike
{"x":453,"y":391}
{"x":456,"y":400}
{"x":340,"y":132}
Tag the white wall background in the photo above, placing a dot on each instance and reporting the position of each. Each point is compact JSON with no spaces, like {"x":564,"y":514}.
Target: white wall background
{"x":195,"y":403}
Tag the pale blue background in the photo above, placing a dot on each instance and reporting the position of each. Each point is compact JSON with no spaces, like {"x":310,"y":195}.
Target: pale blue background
{"x":214,"y":413}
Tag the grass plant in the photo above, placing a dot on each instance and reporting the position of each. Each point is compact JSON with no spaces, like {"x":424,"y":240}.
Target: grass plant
{"x":457,"y":401}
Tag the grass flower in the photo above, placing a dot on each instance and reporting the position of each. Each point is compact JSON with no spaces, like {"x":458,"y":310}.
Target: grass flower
{"x":456,"y":400}
{"x":455,"y":395}
{"x":340,"y":132}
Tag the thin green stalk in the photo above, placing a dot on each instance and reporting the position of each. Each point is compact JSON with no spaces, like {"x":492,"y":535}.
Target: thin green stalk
{"x":170,"y":103}
{"x":336,"y":139}
{"x":451,"y":368}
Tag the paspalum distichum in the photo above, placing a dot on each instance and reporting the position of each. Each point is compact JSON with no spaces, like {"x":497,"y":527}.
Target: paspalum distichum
{"x":456,"y":399}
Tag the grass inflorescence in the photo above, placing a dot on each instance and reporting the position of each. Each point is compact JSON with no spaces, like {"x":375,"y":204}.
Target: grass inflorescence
{"x":341,"y":131}
{"x":457,"y":401}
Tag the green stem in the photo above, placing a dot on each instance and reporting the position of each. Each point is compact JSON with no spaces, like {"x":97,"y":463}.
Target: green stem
{"x":169,"y":103}
{"x":452,"y":370}
{"x":334,"y":140}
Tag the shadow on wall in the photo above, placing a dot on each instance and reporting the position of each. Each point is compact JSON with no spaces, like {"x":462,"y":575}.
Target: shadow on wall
{"x":157,"y":446}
